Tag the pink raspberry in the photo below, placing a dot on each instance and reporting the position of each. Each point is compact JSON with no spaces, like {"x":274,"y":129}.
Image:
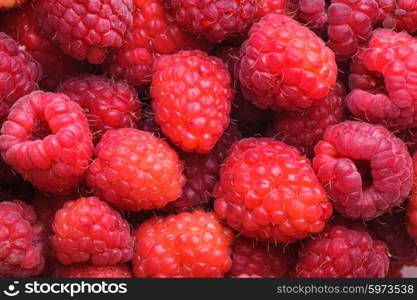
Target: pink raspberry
{"x":46,"y":139}
{"x":398,"y":14}
{"x":364,"y":168}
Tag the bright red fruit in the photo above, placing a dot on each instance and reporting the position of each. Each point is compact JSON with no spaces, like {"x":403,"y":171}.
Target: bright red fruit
{"x":89,"y":230}
{"x":191,"y":93}
{"x":134,"y":170}
{"x":86,"y":270}
{"x":268,"y":191}
{"x":185,"y":245}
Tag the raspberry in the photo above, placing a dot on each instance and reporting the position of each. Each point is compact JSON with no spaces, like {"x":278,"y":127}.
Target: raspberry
{"x":10,"y":3}
{"x":88,"y":230}
{"x":86,"y":29}
{"x":216,"y":20}
{"x":304,"y":129}
{"x":22,"y":240}
{"x":85,"y":270}
{"x":135,"y":170}
{"x":191,"y":94}
{"x":312,"y":13}
{"x":268,"y":191}
{"x":19,"y":73}
{"x":260,"y":259}
{"x":398,"y":14}
{"x":265,"y":7}
{"x":22,"y":24}
{"x":343,"y":253}
{"x":350,"y":25}
{"x":390,"y":228}
{"x":392,"y":55}
{"x":185,"y":245}
{"x":365,"y":169}
{"x":46,"y":139}
{"x":202,"y":172}
{"x":108,"y":104}
{"x":153,"y":33}
{"x":285,"y":65}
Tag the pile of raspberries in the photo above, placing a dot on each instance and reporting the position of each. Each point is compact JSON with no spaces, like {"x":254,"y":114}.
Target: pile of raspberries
{"x":208,"y":138}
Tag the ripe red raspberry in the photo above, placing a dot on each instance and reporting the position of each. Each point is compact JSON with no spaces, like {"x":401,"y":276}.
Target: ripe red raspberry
{"x":86,"y":270}
{"x":285,"y":65}
{"x":46,"y":139}
{"x":202,"y":172}
{"x":201,"y":247}
{"x":398,"y":14}
{"x":191,"y":94}
{"x":265,"y":7}
{"x":152,"y":34}
{"x":89,"y":230}
{"x":5,"y":4}
{"x":108,"y":104}
{"x":392,"y":55}
{"x":19,"y":73}
{"x":350,"y":25}
{"x":390,"y":228}
{"x":365,"y":169}
{"x":268,"y":191}
{"x":134,"y":170}
{"x":216,"y":20}
{"x":343,"y":253}
{"x":261,"y":259}
{"x":22,"y":24}
{"x":86,"y":29}
{"x":305,"y":128}
{"x":22,"y":240}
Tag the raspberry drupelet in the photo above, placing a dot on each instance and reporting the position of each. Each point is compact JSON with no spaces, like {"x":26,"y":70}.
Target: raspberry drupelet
{"x":89,"y":230}
{"x":190,"y":244}
{"x":46,"y":139}
{"x":86,"y":270}
{"x":285,"y":65}
{"x":134,"y":170}
{"x":191,"y":96}
{"x":86,"y":29}
{"x":268,"y":191}
{"x":365,"y":169}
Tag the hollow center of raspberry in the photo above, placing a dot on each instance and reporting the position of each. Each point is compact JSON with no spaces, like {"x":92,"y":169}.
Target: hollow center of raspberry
{"x":41,"y":131}
{"x":364,"y":168}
